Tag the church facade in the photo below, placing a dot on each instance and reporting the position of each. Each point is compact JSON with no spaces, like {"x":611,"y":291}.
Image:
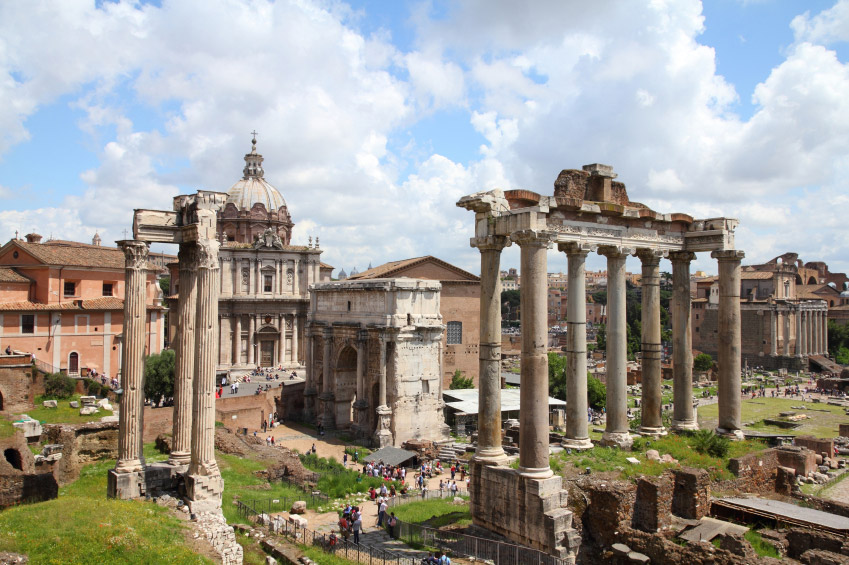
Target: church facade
{"x":264,"y":286}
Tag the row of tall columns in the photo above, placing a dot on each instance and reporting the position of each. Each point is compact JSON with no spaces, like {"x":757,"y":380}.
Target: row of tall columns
{"x":811,"y":332}
{"x":577,"y":413}
{"x":651,"y":405}
{"x":728,"y":335}
{"x":232,"y":275}
{"x":282,"y":356}
{"x":130,"y":454}
{"x":489,"y":450}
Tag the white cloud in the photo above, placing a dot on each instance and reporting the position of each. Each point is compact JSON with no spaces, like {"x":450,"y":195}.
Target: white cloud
{"x":829,"y":26}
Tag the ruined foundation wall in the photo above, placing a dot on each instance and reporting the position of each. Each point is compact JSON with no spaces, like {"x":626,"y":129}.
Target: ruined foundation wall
{"x":82,"y":444}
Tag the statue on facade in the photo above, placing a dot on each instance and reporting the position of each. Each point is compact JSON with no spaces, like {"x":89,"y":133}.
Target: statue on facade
{"x":269,"y":239}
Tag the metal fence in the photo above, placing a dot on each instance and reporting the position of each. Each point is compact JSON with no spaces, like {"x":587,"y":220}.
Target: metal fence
{"x":332,"y":543}
{"x":418,"y":495}
{"x":462,"y":545}
{"x":248,"y":508}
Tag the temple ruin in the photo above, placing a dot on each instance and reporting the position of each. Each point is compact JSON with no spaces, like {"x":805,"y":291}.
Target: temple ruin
{"x":589,"y":212}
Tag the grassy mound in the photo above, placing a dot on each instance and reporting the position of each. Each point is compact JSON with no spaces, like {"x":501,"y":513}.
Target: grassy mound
{"x":434,"y":513}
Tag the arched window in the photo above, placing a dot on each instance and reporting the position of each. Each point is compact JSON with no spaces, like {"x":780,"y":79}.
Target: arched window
{"x":455,"y":333}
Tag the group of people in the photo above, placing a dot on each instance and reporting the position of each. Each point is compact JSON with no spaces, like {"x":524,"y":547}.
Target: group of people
{"x":437,"y":558}
{"x":386,"y":472}
{"x":351,"y":523}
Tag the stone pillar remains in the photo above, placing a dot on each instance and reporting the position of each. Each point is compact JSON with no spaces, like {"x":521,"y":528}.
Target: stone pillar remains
{"x":203,"y":480}
{"x":295,"y":326}
{"x":383,"y":435}
{"x":818,"y":331}
{"x":799,"y":349}
{"x":577,"y":424}
{"x":309,"y":387}
{"x":328,"y":411}
{"x":773,"y":332}
{"x":683,"y":417}
{"x":652,"y":421}
{"x":124,"y":481}
{"x":237,"y":341}
{"x":617,"y":431}
{"x":825,"y":333}
{"x":729,"y":353}
{"x":786,"y":333}
{"x":281,"y":345}
{"x":361,"y":404}
{"x":807,"y":320}
{"x":185,"y":358}
{"x":533,"y":397}
{"x":489,"y":450}
{"x":251,"y":343}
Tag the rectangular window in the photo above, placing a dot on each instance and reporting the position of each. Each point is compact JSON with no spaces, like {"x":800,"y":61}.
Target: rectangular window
{"x":107,"y":289}
{"x":267,"y":283}
{"x":27,"y":323}
{"x":455,"y":333}
{"x":70,"y":288}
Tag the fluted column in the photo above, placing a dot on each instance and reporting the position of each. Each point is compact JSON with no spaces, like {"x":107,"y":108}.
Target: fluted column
{"x":652,"y":419}
{"x":251,"y":342}
{"x":577,"y":423}
{"x":729,"y":352}
{"x":786,"y":332}
{"x":328,"y":397}
{"x":383,"y":435}
{"x":803,"y":316}
{"x":185,"y":356}
{"x":616,"y":431}
{"x":130,"y":426}
{"x":533,"y":393}
{"x":203,"y":482}
{"x":489,"y":450}
{"x":683,"y":416}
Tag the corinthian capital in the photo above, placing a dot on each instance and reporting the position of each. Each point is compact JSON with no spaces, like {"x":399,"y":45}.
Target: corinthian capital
{"x":135,"y":253}
{"x":207,"y":254}
{"x":187,"y":257}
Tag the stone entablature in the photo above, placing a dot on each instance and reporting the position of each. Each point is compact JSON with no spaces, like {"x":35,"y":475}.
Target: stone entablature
{"x":373,"y":359}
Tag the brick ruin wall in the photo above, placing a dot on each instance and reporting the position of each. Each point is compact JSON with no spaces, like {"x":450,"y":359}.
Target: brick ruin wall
{"x":17,"y":388}
{"x":755,"y":472}
{"x":844,"y":430}
{"x":82,"y":444}
{"x":816,"y":445}
{"x":26,"y":484}
{"x":653,"y":504}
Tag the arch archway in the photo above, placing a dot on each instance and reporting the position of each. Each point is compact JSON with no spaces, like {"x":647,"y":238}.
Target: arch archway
{"x":345,"y":386}
{"x":812,"y":280}
{"x":74,"y":363}
{"x":799,"y":279}
{"x":13,"y":456}
{"x":1,"y":400}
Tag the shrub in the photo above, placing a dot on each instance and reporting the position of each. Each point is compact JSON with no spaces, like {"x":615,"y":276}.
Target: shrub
{"x":59,"y":385}
{"x":458,"y":381}
{"x":702,"y":362}
{"x":705,"y":441}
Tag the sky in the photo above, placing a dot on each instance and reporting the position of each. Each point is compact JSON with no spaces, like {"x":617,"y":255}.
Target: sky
{"x":375,"y":117}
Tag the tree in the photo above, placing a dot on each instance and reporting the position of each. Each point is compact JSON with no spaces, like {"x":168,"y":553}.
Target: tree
{"x":596,"y":393}
{"x":702,"y":362}
{"x":165,"y":285}
{"x":59,"y":385}
{"x":557,"y":375}
{"x":159,"y":376}
{"x":458,"y":381}
{"x":601,"y":338}
{"x":509,"y":301}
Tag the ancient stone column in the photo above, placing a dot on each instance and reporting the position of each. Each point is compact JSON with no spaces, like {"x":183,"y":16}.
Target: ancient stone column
{"x":203,"y":481}
{"x":817,"y":332}
{"x":533,"y":396}
{"x":729,"y":353}
{"x":773,"y":332}
{"x":237,"y":341}
{"x":309,"y":386}
{"x":577,"y":424}
{"x":361,"y":404}
{"x":616,"y":431}
{"x":652,"y":420}
{"x":328,"y":398}
{"x":803,"y":316}
{"x":296,"y":285}
{"x":251,"y":342}
{"x":683,"y":416}
{"x":786,"y":332}
{"x":185,"y":356}
{"x":295,"y":326}
{"x":383,"y":435}
{"x":798,"y":329}
{"x":281,"y":346}
{"x":489,"y":450}
{"x":130,"y":426}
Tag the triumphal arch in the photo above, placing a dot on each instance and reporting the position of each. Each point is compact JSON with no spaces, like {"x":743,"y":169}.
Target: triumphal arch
{"x":588,"y":212}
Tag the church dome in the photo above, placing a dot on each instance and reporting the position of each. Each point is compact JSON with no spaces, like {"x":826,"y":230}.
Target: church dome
{"x":253,"y":188}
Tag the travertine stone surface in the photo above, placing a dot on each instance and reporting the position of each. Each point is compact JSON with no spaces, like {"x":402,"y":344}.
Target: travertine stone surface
{"x":617,"y":431}
{"x":683,"y":417}
{"x":130,"y":455}
{"x":489,"y":450}
{"x":185,"y":361}
{"x":533,"y":399}
{"x":729,"y":343}
{"x":577,"y":423}
{"x":652,"y":423}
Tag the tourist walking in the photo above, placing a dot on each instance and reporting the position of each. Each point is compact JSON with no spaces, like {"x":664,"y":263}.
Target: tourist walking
{"x":392,"y":522}
{"x":381,"y":512}
{"x":358,"y":525}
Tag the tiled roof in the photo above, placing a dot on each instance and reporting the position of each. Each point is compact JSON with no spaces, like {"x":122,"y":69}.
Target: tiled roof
{"x":72,"y":254}
{"x":105,"y":303}
{"x":388,"y":270}
{"x":815,"y":291}
{"x":326,"y":266}
{"x":9,"y":275}
{"x":756,"y":275}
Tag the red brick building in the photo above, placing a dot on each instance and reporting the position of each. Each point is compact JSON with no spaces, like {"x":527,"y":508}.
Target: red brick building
{"x":63,"y":302}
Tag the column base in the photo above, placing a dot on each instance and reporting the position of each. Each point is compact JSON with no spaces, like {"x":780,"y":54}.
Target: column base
{"x":535,"y":472}
{"x":129,"y":466}
{"x":622,"y":440}
{"x":652,"y":432}
{"x":179,"y":458}
{"x":684,"y":426}
{"x":203,"y":492}
{"x":735,"y":435}
{"x":579,"y":444}
{"x":328,"y":411}
{"x":383,"y":435}
{"x":490,"y":456}
{"x":124,"y":485}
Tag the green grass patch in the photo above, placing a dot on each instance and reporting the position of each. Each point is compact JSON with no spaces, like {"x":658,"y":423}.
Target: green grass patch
{"x":73,"y":529}
{"x":319,"y":556}
{"x":823,"y":419}
{"x":436,"y":513}
{"x":761,"y":546}
{"x":63,"y":413}
{"x":336,"y":481}
{"x":6,"y":428}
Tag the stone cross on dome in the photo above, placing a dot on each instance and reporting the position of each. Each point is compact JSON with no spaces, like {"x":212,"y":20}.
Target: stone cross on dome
{"x":253,"y":161}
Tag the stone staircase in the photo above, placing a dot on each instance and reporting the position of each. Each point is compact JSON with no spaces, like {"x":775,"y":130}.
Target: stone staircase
{"x":378,"y":538}
{"x":449,"y":451}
